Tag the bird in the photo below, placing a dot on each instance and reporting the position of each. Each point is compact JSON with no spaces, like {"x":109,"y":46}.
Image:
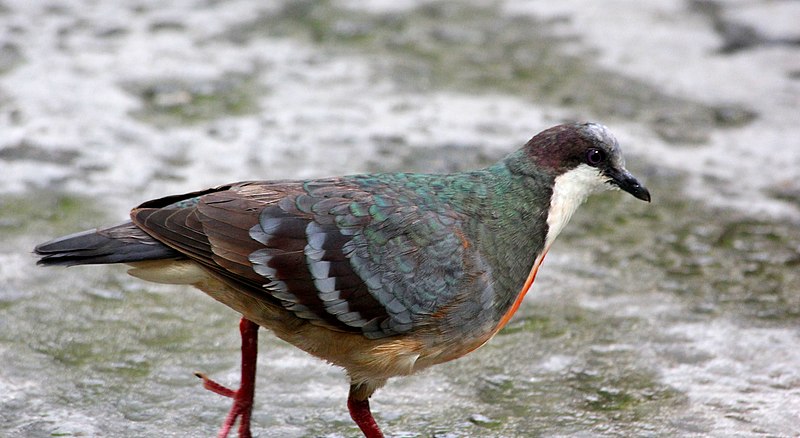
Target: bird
{"x":381,"y":274}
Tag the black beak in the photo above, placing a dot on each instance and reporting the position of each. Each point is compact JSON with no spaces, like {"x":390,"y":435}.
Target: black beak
{"x":625,"y":181}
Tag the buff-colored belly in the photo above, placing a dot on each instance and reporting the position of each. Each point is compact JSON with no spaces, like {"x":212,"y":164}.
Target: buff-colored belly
{"x":366,"y":360}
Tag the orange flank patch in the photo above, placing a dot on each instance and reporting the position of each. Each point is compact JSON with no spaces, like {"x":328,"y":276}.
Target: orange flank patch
{"x":528,"y":283}
{"x":464,"y":241}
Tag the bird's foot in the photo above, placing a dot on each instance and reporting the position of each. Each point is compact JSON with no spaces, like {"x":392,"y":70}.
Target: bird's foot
{"x":242,"y":407}
{"x":243,"y":397}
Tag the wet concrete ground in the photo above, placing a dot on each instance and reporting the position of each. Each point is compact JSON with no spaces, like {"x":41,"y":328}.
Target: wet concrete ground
{"x":678,"y":318}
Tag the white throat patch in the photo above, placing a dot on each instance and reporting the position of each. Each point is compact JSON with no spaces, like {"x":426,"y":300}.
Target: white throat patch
{"x":570,"y":191}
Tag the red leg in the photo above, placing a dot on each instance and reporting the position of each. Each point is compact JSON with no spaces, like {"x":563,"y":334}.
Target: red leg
{"x":360,"y":413}
{"x":242,"y":397}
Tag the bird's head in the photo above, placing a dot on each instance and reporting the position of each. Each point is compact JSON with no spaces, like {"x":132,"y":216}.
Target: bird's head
{"x":585,"y":156}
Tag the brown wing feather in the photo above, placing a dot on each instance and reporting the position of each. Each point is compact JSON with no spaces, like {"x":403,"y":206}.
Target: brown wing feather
{"x":216,"y":230}
{"x":229,"y":220}
{"x":174,"y":227}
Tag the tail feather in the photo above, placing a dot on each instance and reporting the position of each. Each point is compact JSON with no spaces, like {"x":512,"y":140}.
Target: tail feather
{"x":125,"y":243}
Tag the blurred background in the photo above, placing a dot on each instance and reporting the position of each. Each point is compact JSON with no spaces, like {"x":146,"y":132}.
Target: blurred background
{"x":677,"y":318}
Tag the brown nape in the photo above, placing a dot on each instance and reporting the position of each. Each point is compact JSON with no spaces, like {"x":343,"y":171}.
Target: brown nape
{"x":558,"y":149}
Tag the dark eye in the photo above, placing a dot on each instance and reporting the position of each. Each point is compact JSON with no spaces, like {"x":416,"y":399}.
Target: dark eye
{"x":595,"y":157}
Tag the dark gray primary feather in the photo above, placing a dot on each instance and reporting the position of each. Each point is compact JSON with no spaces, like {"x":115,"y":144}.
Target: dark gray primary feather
{"x":123,"y":243}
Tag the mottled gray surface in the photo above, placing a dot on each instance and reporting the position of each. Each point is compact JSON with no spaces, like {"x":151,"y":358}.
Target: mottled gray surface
{"x":678,"y":318}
